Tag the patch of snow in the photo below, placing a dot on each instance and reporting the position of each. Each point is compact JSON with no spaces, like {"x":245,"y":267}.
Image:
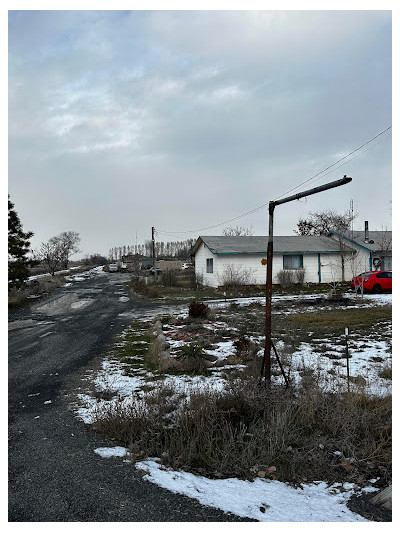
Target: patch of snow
{"x":124,"y":299}
{"x":262,"y":500}
{"x":81,"y":303}
{"x":116,"y":451}
{"x":223,"y":349}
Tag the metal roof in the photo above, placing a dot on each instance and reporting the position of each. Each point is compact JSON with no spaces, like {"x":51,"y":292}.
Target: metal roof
{"x":382,"y":240}
{"x":258,"y":245}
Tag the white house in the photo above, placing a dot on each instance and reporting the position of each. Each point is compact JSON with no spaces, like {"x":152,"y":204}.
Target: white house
{"x":373,"y":249}
{"x":320,"y":257}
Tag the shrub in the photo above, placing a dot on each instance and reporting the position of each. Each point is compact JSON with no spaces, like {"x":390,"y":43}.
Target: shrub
{"x":169,"y":278}
{"x":198,"y":310}
{"x":34,"y":288}
{"x":195,"y":327}
{"x":239,"y":431}
{"x":193,"y":359}
{"x":286,"y":278}
{"x":245,"y":348}
{"x":385,"y":373}
{"x":199,"y":280}
{"x":148,"y":290}
{"x":235,"y":278}
{"x":300,"y":275}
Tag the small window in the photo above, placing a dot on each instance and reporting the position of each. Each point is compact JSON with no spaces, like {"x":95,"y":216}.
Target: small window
{"x":382,"y":275}
{"x":210,"y":266}
{"x":389,"y":275}
{"x":292,"y":262}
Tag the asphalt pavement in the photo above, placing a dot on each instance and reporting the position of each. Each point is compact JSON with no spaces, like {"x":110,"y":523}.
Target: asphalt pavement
{"x":54,"y":474}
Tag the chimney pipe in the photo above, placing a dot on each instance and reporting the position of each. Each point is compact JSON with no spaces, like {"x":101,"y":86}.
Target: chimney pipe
{"x":366,"y":236}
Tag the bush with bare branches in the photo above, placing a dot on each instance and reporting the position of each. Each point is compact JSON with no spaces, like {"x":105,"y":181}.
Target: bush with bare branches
{"x":295,"y":435}
{"x":235,"y":278}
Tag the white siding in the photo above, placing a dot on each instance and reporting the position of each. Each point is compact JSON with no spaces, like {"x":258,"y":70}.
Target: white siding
{"x":250,"y":265}
{"x":200,"y":262}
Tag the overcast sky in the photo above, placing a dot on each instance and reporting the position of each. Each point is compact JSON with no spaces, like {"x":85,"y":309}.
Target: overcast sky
{"x":120,"y":121}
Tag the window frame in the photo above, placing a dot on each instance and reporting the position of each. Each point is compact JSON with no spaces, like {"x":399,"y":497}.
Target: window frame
{"x":286,"y":256}
{"x":210,"y":265}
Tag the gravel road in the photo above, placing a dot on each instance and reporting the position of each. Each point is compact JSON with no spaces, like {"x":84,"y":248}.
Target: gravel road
{"x":54,"y":474}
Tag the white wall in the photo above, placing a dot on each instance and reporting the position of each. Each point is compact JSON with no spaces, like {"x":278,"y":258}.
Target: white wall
{"x":331,"y":269}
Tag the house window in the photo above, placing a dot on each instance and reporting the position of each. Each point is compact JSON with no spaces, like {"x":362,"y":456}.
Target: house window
{"x":210,"y":266}
{"x":292,"y":262}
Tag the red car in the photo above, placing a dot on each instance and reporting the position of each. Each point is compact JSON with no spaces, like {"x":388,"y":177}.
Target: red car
{"x":378,"y":281}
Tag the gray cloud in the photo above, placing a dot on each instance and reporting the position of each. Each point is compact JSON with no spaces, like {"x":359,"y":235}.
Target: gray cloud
{"x":119,"y":121}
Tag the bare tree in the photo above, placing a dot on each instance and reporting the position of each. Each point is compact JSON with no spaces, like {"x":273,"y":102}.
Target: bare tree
{"x":67,"y":244}
{"x":323,"y":222}
{"x":237,"y":231}
{"x":135,"y":265}
{"x":50,"y":255}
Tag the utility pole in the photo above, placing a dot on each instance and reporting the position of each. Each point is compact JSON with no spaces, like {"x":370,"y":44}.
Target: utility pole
{"x":268,"y":291}
{"x":153,"y":248}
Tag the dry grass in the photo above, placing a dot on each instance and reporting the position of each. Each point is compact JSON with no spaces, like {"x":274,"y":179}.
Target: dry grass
{"x":339,"y":319}
{"x":247,"y":429}
{"x":37,"y":287}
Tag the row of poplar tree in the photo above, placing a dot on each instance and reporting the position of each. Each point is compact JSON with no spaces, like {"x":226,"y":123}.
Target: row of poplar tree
{"x":163,"y":250}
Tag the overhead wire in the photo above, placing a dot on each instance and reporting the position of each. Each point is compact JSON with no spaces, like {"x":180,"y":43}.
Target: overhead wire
{"x":354,"y":157}
{"x":333,"y":164}
{"x":318,"y":175}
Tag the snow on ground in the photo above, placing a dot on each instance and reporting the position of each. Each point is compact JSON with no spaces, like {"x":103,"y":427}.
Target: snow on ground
{"x":112,"y":381}
{"x":117,"y":451}
{"x":69,"y":276}
{"x":364,"y":362}
{"x":353,"y":301}
{"x":261,"y":499}
{"x":81,"y":303}
{"x":57,"y":272}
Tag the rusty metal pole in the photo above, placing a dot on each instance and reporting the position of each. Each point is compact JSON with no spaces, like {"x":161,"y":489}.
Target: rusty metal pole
{"x":270,"y":251}
{"x":268,"y":296}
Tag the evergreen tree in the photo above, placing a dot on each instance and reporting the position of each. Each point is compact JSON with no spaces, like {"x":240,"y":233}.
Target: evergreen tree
{"x":18,"y":248}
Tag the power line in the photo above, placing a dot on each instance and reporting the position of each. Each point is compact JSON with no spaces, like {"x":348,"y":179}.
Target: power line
{"x":357,"y":155}
{"x":215,"y":225}
{"x":333,"y":164}
{"x":321,"y":174}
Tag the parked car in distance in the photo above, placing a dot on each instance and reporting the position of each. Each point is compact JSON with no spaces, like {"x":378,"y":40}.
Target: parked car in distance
{"x":113,"y":267}
{"x":378,"y":281}
{"x":185,"y":266}
{"x":158,"y":270}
